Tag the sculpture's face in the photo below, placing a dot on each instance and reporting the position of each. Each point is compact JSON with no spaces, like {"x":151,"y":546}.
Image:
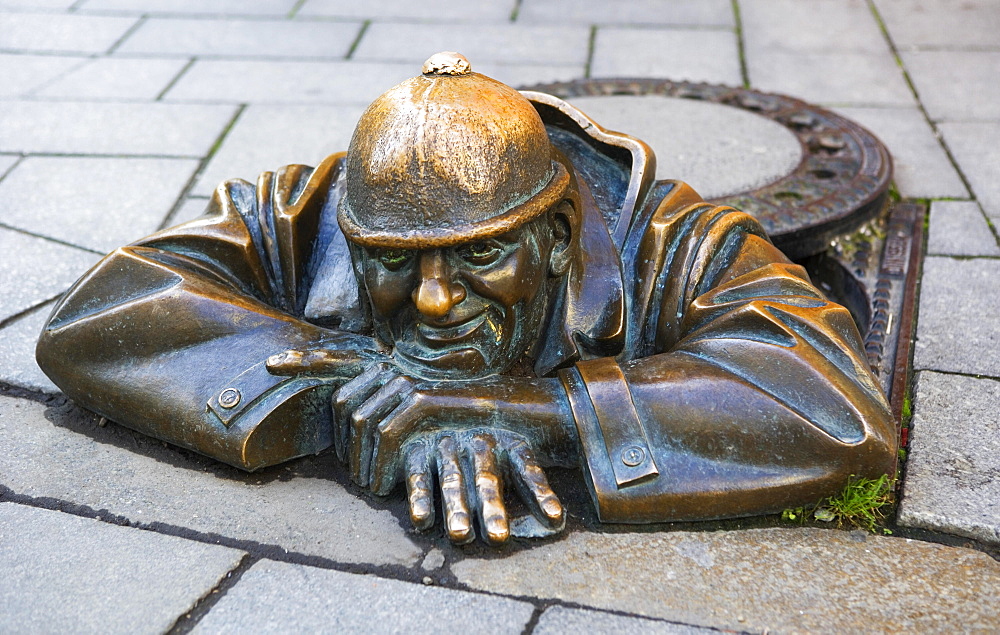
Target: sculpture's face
{"x":465,"y":311}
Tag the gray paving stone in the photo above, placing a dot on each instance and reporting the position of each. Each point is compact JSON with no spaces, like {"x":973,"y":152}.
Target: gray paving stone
{"x":7,"y":161}
{"x":249,"y":81}
{"x":953,"y":470}
{"x":719,"y":150}
{"x":36,"y":270}
{"x":793,"y":580}
{"x":839,"y":78}
{"x":190,"y":209}
{"x":115,"y":78}
{"x":62,"y":453}
{"x":975,"y":148}
{"x":277,"y":8}
{"x":559,"y":619}
{"x":667,"y":12}
{"x":921,"y":168}
{"x":64,"y":573}
{"x":268,"y":137}
{"x":17,"y":352}
{"x":426,"y":10}
{"x":278,"y":597}
{"x":959,"y":325}
{"x":242,"y":38}
{"x":941,"y":23}
{"x":956,"y":85}
{"x":827,"y":26}
{"x":22,"y":73}
{"x":99,"y":203}
{"x":958,"y":228}
{"x":110,"y":128}
{"x":519,"y":75}
{"x":672,"y":53}
{"x":63,"y":33}
{"x":413,"y":43}
{"x":37,"y":5}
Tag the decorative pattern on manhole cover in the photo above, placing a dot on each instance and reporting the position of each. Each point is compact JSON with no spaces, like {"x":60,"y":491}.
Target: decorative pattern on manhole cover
{"x":841,"y":182}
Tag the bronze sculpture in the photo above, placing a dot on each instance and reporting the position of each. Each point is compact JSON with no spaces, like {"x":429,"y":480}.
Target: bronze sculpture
{"x":486,"y":283}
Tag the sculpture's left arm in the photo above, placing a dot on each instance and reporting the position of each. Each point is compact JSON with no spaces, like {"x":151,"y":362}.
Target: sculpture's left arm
{"x":749,"y":392}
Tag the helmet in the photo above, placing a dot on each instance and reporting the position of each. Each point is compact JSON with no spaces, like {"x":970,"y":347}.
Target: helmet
{"x":447,"y":157}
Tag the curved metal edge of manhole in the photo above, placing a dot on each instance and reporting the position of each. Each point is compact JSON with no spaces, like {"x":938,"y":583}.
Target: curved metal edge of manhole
{"x":841,"y":183}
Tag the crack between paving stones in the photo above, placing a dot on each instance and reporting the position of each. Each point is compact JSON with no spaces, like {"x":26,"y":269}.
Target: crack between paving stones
{"x":740,"y":45}
{"x":10,"y":319}
{"x":591,"y":44}
{"x":187,"y":622}
{"x":50,"y":238}
{"x":176,"y":78}
{"x":127,"y":34}
{"x":357,"y":39}
{"x":295,"y":9}
{"x":516,"y":11}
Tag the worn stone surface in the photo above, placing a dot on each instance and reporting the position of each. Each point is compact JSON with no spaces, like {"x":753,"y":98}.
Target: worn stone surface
{"x":426,"y":10}
{"x":719,"y":150}
{"x":671,"y":53}
{"x":941,"y":23}
{"x":959,"y":324}
{"x":7,"y":161}
{"x":106,"y":128}
{"x":62,"y":453}
{"x":274,"y":596}
{"x":242,"y":38}
{"x":560,"y":619}
{"x":17,"y":352}
{"x":190,"y":209}
{"x":956,"y":85}
{"x":975,"y":148}
{"x":480,"y":43}
{"x":115,"y":78}
{"x":635,"y":12}
{"x":784,"y":580}
{"x":952,"y":472}
{"x":62,"y":33}
{"x":36,"y":270}
{"x":958,"y":228}
{"x":23,"y":73}
{"x":277,"y":8}
{"x":114,"y":200}
{"x":816,"y":26}
{"x":63,"y":573}
{"x":921,"y":168}
{"x":835,"y":78}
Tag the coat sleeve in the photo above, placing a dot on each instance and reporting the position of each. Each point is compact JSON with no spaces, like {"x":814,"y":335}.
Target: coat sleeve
{"x":169,"y":336}
{"x":749,"y":393}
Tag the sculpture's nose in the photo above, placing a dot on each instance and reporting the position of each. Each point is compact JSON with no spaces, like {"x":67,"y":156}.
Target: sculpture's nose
{"x":437,"y":293}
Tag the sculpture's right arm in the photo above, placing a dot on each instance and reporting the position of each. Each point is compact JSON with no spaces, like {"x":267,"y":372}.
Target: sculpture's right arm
{"x":170,"y":335}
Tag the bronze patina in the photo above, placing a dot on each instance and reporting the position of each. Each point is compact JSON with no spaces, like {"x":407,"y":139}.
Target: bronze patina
{"x":487,"y":283}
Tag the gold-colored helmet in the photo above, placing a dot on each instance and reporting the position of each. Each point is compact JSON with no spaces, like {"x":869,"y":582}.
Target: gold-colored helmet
{"x":446,"y":157}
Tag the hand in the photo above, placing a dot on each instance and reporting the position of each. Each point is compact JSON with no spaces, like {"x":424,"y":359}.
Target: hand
{"x":469,"y":465}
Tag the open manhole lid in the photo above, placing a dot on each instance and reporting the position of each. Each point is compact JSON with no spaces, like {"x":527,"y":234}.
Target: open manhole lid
{"x":807,"y":174}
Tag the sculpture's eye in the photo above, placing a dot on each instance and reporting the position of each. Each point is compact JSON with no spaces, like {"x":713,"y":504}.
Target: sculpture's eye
{"x":394,"y":259}
{"x":481,"y":253}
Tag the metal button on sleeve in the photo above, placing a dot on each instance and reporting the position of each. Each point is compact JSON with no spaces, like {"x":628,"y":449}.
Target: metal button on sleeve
{"x":633,"y":455}
{"x":229,"y":398}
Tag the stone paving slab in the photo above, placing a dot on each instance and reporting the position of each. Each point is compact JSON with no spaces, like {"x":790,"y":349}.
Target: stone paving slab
{"x":959,"y":326}
{"x":62,"y":453}
{"x":17,"y":352}
{"x":36,"y":270}
{"x":793,"y":580}
{"x":952,"y":473}
{"x":192,"y":208}
{"x":956,"y":85}
{"x":941,"y":23}
{"x":276,"y":8}
{"x":635,"y":12}
{"x":62,"y":33}
{"x":559,"y":619}
{"x":433,"y":11}
{"x":106,"y":128}
{"x":278,"y":597}
{"x":63,"y":573}
{"x":958,"y":228}
{"x":242,"y":38}
{"x":22,"y":73}
{"x":975,"y":147}
{"x":921,"y":168}
{"x":673,"y":53}
{"x":817,"y":26}
{"x":544,"y":45}
{"x":115,"y":78}
{"x":7,"y":161}
{"x":37,"y":5}
{"x":114,"y":200}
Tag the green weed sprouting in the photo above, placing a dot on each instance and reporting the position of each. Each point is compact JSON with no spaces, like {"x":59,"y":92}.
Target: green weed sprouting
{"x":860,"y":504}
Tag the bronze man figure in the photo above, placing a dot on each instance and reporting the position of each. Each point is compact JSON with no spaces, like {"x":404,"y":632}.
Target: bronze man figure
{"x":486,"y":283}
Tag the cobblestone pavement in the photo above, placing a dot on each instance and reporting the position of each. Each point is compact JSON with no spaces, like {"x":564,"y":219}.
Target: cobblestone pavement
{"x":119,"y":117}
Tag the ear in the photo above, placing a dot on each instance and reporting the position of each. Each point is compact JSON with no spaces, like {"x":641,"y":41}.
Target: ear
{"x":562,"y":239}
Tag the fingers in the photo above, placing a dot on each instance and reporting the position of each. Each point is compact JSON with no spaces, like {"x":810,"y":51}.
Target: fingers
{"x":337,"y":363}
{"x":364,"y":421}
{"x":489,"y":490}
{"x":457,"y":520}
{"x":419,"y":484}
{"x":534,"y":486}
{"x":347,"y":399}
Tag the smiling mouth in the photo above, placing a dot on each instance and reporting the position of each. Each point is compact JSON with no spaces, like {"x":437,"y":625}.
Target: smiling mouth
{"x":440,"y":336}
